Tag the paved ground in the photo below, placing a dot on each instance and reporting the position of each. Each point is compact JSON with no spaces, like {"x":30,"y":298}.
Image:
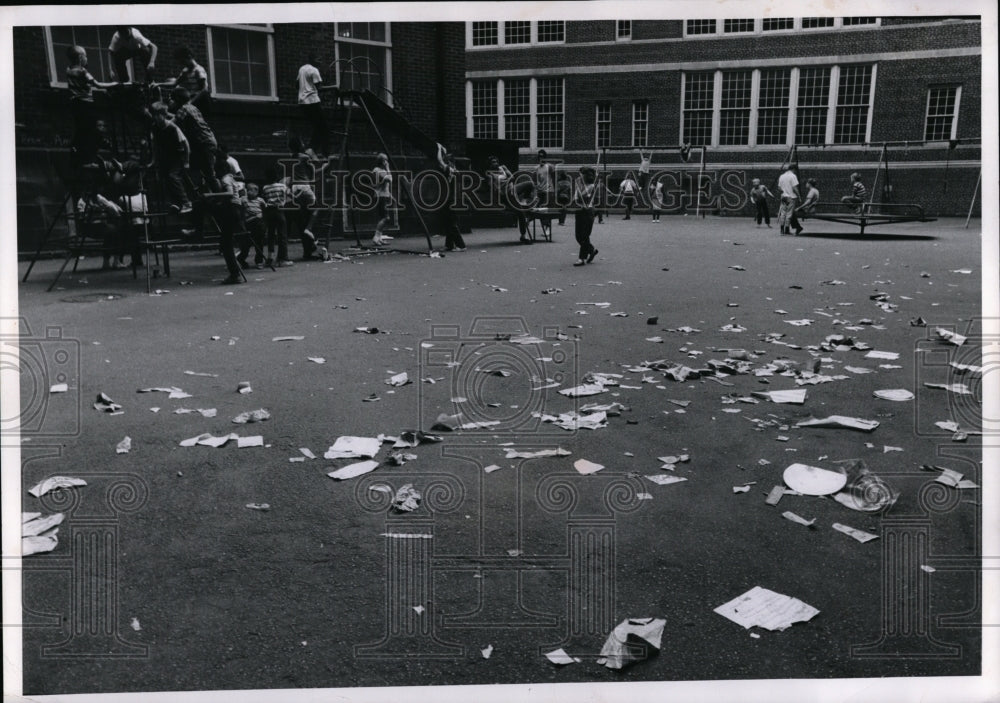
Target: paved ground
{"x":228,"y":597}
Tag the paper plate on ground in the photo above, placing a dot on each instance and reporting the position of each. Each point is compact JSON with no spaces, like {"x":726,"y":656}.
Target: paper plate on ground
{"x":897,"y":394}
{"x":813,"y":481}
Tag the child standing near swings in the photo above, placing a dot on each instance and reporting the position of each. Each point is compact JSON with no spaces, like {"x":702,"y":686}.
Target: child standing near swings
{"x":758,"y":198}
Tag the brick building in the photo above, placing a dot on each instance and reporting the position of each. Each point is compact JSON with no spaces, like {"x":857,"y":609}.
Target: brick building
{"x":415,"y":67}
{"x":746,"y":90}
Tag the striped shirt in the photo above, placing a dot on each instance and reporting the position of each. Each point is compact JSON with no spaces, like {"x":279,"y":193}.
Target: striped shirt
{"x":859,"y":190}
{"x":274,"y":194}
{"x":253,"y":209}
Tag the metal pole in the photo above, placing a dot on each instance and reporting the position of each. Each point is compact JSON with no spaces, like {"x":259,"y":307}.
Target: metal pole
{"x":975,"y":192}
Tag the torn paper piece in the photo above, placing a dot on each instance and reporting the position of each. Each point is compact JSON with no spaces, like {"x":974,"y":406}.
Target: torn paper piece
{"x":620,"y":647}
{"x":407,"y":499}
{"x":775,"y":495}
{"x":583,"y":390}
{"x":491,"y":468}
{"x":125,"y":446}
{"x":486,"y":651}
{"x":795,"y":396}
{"x":560,"y":658}
{"x":353,"y":447}
{"x":853,"y":423}
{"x":760,"y":607}
{"x":957,"y":388}
{"x":864,"y":491}
{"x":800,"y":323}
{"x":927,"y":569}
{"x":135,"y":624}
{"x":288,"y":338}
{"x":406,"y":535}
{"x":400,"y":379}
{"x":855,"y":533}
{"x":664,"y":479}
{"x":174,"y":392}
{"x":59,"y":388}
{"x":353,"y":470}
{"x":858,"y":370}
{"x":105,"y":404}
{"x":400,"y":458}
{"x":741,"y":489}
{"x":875,"y":354}
{"x":40,"y":525}
{"x":644,"y":496}
{"x":948,"y":425}
{"x":204,"y":412}
{"x":949,"y":336}
{"x":963,"y":368}
{"x":54,"y":483}
{"x":244,"y":387}
{"x":39,"y":544}
{"x":253,"y":441}
{"x":789,"y":515}
{"x":316,"y":359}
{"x":896,"y":394}
{"x":263,"y":507}
{"x":380,"y":488}
{"x":515,"y":454}
{"x":585,"y":467}
{"x":259,"y":415}
{"x":201,"y":373}
{"x":886,"y":448}
{"x":413,"y":438}
{"x":813,"y":481}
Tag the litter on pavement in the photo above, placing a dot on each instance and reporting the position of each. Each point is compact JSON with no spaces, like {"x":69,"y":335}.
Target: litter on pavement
{"x":55,"y":482}
{"x":814,"y":481}
{"x":859,"y":535}
{"x":353,"y":447}
{"x":896,"y":394}
{"x":760,"y":607}
{"x":174,"y":392}
{"x":789,"y":515}
{"x":665,"y":479}
{"x":585,"y":467}
{"x":250,"y":416}
{"x":400,"y":379}
{"x":288,"y":338}
{"x":204,"y":412}
{"x":244,"y":387}
{"x":353,"y":470}
{"x":795,"y":396}
{"x":852,"y":423}
{"x":105,"y":404}
{"x":957,"y":388}
{"x":560,"y":658}
{"x":515,"y":454}
{"x":125,"y":446}
{"x":36,"y":525}
{"x":618,"y":651}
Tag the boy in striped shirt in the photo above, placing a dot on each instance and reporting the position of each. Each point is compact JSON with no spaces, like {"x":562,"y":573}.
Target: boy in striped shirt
{"x":275,"y":194}
{"x":859,"y":194}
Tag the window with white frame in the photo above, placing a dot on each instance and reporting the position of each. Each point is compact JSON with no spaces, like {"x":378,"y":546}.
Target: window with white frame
{"x":817,"y":22}
{"x":942,"y":112}
{"x":549,"y":119}
{"x":699,"y":27}
{"x":94,"y":40}
{"x":485,"y":33}
{"x":241,"y":61}
{"x":699,"y":96}
{"x":772,"y":106}
{"x":856,"y":21}
{"x":777,"y":24}
{"x":364,"y":57}
{"x":517,"y":32}
{"x":484,"y":110}
{"x":853,"y":99}
{"x":640,"y":123}
{"x":734,"y":125}
{"x":737,"y":26}
{"x":517,"y":110}
{"x":623,"y":29}
{"x":813,"y":102}
{"x":551,"y":31}
{"x":603,"y":125}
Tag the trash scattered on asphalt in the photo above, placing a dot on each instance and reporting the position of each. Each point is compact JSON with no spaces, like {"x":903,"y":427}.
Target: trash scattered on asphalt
{"x":814,"y":481}
{"x":950,"y":477}
{"x":55,"y":483}
{"x":204,"y":412}
{"x":853,"y":423}
{"x":775,"y":495}
{"x":515,"y":454}
{"x":39,"y":544}
{"x":864,"y":491}
{"x":551,"y":291}
{"x":125,"y":446}
{"x":252,"y":441}
{"x":789,"y":515}
{"x":244,"y":387}
{"x":665,"y":479}
{"x":741,"y":489}
{"x":560,"y":658}
{"x":888,"y":356}
{"x":251,"y":416}
{"x":486,"y":651}
{"x":367,"y":330}
{"x":491,"y":468}
{"x":407,"y":499}
{"x":619,"y":649}
{"x":859,"y":535}
{"x":263,"y":507}
{"x":795,"y":396}
{"x":59,"y":388}
{"x":400,"y":458}
{"x":927,"y":569}
{"x":316,"y":359}
{"x":400,"y":379}
{"x":895,"y":394}
{"x":174,"y":392}
{"x":135,"y":624}
{"x":406,"y":535}
{"x":583,"y":390}
{"x":957,"y":388}
{"x":800,"y":323}
{"x":585,"y":467}
{"x":33,"y":524}
{"x":949,"y":336}
{"x":201,"y":373}
{"x":105,"y":404}
{"x":669,"y":461}
{"x":288,"y":338}
{"x":761,"y":607}
{"x":963,"y":368}
{"x":348,"y":447}
{"x":353,"y":470}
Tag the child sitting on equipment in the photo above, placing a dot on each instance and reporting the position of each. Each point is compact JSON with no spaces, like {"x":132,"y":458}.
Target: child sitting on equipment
{"x":858,"y":194}
{"x":171,"y":155}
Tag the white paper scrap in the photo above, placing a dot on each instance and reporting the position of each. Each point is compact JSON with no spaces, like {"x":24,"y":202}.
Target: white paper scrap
{"x":874,"y":354}
{"x":253,"y":441}
{"x":586,"y":467}
{"x":515,"y":454}
{"x":40,"y":525}
{"x":353,"y":470}
{"x":896,"y":394}
{"x":59,"y":388}
{"x":789,"y":515}
{"x":560,"y":658}
{"x":813,"y":481}
{"x":760,"y":607}
{"x":617,"y":652}
{"x":664,"y":479}
{"x":353,"y":447}
{"x":854,"y":423}
{"x":857,"y":534}
{"x":39,"y":544}
{"x":54,"y":482}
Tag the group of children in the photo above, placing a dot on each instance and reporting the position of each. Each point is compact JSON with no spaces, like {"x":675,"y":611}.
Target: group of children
{"x":791,"y":211}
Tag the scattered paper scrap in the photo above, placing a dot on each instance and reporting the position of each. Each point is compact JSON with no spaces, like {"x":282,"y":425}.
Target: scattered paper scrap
{"x":853,"y":423}
{"x":957,"y":388}
{"x":201,"y":373}
{"x":174,"y":392}
{"x":55,"y":483}
{"x":204,"y":412}
{"x":288,"y":338}
{"x":560,"y":658}
{"x":39,"y":544}
{"x":263,"y":507}
{"x":59,"y":388}
{"x":353,"y":447}
{"x":125,"y":446}
{"x":353,"y":470}
{"x":585,"y":467}
{"x":741,"y":489}
{"x":928,"y":569}
{"x":789,"y":515}
{"x":252,"y":441}
{"x":135,"y":624}
{"x":618,"y":651}
{"x":814,"y":481}
{"x":949,"y":336}
{"x":515,"y":454}
{"x":760,"y":607}
{"x":38,"y":525}
{"x":407,"y":499}
{"x":896,"y":394}
{"x":250,"y":416}
{"x":105,"y":404}
{"x":491,"y":468}
{"x":796,"y":396}
{"x":488,"y":649}
{"x":665,"y":479}
{"x":864,"y":491}
{"x":775,"y":495}
{"x":400,"y":379}
{"x":875,"y":354}
{"x":316,"y":359}
{"x":244,"y":387}
{"x":859,"y":535}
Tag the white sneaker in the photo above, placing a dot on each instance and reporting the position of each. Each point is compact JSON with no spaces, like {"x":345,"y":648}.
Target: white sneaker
{"x":387,"y":238}
{"x":377,"y":241}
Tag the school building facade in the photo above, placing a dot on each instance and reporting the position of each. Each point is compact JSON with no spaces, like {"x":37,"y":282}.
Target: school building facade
{"x":747,"y":91}
{"x":416,"y":68}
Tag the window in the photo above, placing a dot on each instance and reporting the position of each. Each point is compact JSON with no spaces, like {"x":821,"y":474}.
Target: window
{"x":364,"y":58}
{"x":241,"y":61}
{"x":777,"y":24}
{"x":816,"y":22}
{"x":853,"y":96}
{"x":484,"y":110}
{"x":640,"y":123}
{"x":550,"y":113}
{"x":942,"y":112}
{"x":603,"y":125}
{"x":810,"y":114}
{"x":734,"y":127}
{"x":551,"y":31}
{"x":699,"y":94}
{"x":772,"y":106}
{"x":737,"y":26}
{"x":94,"y":39}
{"x":855,"y":21}
{"x":484,"y":33}
{"x":517,"y":110}
{"x":623,"y":29}
{"x":517,"y":32}
{"x":699,"y":27}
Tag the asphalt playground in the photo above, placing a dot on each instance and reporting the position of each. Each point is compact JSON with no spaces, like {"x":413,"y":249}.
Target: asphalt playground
{"x":200,"y":592}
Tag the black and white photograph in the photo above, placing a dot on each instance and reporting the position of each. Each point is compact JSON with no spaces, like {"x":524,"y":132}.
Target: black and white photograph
{"x":566,"y":351}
